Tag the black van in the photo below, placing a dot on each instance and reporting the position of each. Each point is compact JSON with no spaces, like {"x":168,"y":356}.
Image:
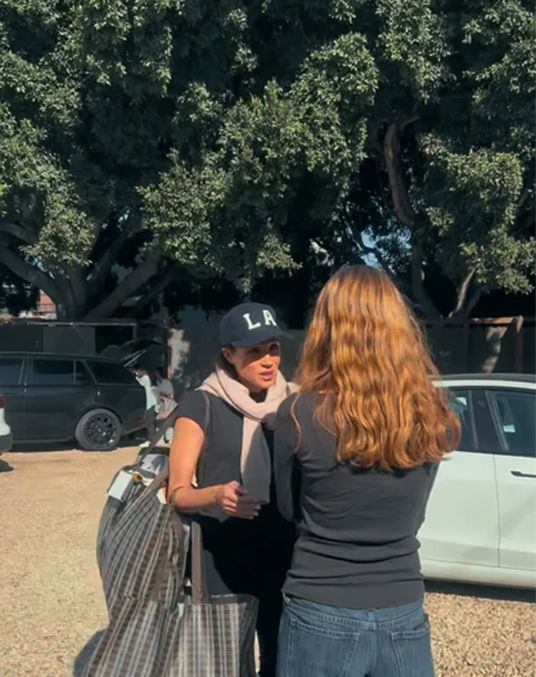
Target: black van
{"x":52,"y":398}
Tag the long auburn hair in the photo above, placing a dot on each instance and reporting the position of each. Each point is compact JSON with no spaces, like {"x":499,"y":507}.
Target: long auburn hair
{"x":365,"y":354}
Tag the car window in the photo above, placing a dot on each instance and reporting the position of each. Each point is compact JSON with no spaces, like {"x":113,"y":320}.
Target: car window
{"x":514,"y":413}
{"x":10,"y":371}
{"x":81,"y":374}
{"x":460,"y":402}
{"x":109,"y":373}
{"x":52,"y":372}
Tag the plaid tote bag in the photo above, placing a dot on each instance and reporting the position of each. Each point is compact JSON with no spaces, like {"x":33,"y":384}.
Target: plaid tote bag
{"x":214,"y":635}
{"x":135,"y":525}
{"x":142,"y":546}
{"x":142,"y":543}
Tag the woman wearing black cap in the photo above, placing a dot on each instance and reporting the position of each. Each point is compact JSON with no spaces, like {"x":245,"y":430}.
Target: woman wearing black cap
{"x":247,"y":545}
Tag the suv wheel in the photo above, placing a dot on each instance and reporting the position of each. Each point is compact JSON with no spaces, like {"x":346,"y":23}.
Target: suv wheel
{"x":98,"y":430}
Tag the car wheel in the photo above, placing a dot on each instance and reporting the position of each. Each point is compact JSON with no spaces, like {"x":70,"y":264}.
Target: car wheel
{"x":98,"y":430}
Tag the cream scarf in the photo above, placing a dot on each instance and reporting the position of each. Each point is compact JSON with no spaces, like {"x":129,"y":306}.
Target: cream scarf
{"x":255,"y":464}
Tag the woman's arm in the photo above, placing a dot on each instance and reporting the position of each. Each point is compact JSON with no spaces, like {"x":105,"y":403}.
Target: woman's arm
{"x":285,"y":462}
{"x":188,"y":439}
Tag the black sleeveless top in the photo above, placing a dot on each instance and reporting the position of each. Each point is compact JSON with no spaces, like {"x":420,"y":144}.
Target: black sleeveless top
{"x":220,"y":462}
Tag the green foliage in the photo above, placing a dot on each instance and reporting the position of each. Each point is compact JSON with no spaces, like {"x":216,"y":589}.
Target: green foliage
{"x":236,"y":194}
{"x":504,"y":74}
{"x":414,"y":37}
{"x":477,"y":196}
{"x":39,"y":195}
{"x":223,"y":136}
{"x":478,"y":180}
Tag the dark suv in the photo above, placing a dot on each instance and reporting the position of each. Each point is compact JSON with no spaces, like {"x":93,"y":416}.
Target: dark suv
{"x":52,"y":398}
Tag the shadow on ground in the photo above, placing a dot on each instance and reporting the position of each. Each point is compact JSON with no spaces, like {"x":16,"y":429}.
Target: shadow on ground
{"x":68,"y":446}
{"x":41,"y":446}
{"x":85,"y":654}
{"x":4,"y":466}
{"x":485,"y":591}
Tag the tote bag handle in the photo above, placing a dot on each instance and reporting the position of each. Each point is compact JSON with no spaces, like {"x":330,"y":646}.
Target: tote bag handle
{"x":199,"y":582}
{"x":163,"y":475}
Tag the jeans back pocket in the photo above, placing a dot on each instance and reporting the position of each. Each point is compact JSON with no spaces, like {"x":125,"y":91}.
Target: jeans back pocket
{"x":412,"y":650}
{"x":315,"y":645}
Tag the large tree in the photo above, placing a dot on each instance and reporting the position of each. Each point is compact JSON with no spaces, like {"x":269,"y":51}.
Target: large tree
{"x":233,"y":138}
{"x":459,"y":153}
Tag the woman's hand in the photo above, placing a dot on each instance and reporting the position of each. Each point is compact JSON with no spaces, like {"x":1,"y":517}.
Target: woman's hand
{"x":233,"y":500}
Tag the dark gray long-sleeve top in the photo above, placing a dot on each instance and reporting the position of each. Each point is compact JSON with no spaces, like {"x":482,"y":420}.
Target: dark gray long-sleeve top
{"x":357,"y":544}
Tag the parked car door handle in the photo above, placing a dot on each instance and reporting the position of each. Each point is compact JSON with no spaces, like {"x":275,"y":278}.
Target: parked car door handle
{"x":518,"y":473}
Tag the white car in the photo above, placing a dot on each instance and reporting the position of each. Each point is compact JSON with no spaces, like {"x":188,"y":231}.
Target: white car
{"x":5,"y":430}
{"x":480,"y":524}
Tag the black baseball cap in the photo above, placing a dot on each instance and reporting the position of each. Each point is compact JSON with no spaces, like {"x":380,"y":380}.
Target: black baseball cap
{"x":248,"y":324}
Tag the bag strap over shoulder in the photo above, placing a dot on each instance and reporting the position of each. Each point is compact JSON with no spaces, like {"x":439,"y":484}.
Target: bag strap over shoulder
{"x":199,"y":581}
{"x":199,"y":584}
{"x":160,"y":430}
{"x":163,"y":475}
{"x":199,"y":468}
{"x":207,"y":412}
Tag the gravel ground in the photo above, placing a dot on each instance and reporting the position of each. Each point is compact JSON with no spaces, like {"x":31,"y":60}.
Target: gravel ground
{"x":51,"y":602}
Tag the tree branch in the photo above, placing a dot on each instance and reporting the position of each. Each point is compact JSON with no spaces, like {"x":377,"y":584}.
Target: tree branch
{"x":522,"y":199}
{"x":79,"y":288}
{"x":31,"y":274}
{"x":106,"y":261}
{"x":524,"y":224}
{"x":136,"y":279}
{"x":464,"y":306}
{"x":157,"y":289}
{"x":406,"y":214}
{"x":417,"y":286}
{"x":475,"y":298}
{"x":408,"y":121}
{"x":401,"y":202}
{"x":358,"y":239}
{"x":461,"y":295}
{"x":102,"y":268}
{"x":18,"y":232}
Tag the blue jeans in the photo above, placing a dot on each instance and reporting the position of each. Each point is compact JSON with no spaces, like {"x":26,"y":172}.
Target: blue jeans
{"x":317,"y":640}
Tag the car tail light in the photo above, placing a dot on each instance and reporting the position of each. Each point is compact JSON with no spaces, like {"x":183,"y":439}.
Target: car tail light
{"x":2,"y":402}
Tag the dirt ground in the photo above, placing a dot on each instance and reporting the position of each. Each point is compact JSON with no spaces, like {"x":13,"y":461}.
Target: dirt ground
{"x":51,"y":602}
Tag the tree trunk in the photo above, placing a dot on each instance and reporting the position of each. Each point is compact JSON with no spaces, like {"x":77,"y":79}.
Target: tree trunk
{"x":417,"y":278}
{"x":399,"y":193}
{"x":134,"y":281}
{"x":79,"y":287}
{"x":405,"y":213}
{"x":31,"y":274}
